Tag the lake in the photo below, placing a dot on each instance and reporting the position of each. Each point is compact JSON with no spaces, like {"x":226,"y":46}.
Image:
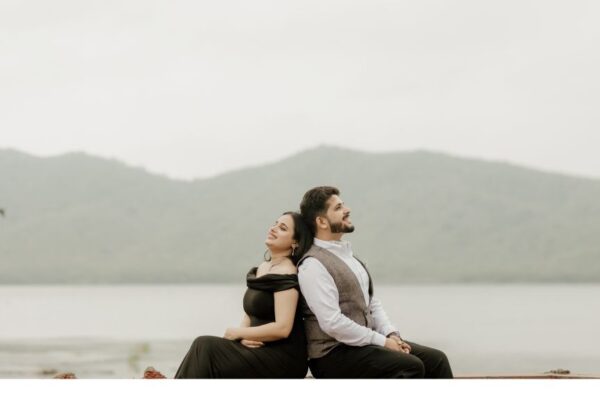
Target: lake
{"x":115,"y":331}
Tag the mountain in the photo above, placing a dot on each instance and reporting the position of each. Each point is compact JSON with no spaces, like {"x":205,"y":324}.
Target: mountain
{"x":420,"y":217}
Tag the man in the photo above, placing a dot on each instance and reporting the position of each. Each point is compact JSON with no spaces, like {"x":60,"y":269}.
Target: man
{"x":347,"y":330}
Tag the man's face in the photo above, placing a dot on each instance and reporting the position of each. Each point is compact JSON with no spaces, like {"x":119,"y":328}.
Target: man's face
{"x":338,"y":216}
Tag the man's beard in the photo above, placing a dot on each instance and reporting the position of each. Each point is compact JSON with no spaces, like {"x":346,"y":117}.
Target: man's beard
{"x":340,"y":228}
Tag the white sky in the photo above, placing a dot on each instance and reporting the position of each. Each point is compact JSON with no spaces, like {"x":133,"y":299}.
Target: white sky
{"x":195,"y":88}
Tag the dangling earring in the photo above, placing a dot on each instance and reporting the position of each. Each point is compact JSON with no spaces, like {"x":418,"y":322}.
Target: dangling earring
{"x":267,"y":258}
{"x":293,"y":250}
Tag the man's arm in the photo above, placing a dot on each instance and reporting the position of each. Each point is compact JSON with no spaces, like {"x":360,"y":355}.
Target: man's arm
{"x":383,"y":325}
{"x":381,"y":321}
{"x":321,"y":295}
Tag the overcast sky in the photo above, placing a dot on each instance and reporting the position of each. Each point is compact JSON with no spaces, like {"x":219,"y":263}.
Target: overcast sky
{"x":195,"y":88}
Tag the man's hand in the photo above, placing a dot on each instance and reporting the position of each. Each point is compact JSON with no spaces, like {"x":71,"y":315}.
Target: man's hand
{"x":252,"y":344}
{"x":402,"y":346}
{"x":393,"y":345}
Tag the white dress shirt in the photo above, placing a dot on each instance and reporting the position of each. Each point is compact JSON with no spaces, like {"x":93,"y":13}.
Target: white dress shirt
{"x":321,"y":295}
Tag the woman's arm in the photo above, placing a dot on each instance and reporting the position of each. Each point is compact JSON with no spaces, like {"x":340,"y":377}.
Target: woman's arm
{"x":245,"y":321}
{"x":285,"y":310}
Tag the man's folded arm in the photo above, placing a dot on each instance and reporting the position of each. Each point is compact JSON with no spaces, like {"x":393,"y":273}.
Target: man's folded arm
{"x":321,"y":295}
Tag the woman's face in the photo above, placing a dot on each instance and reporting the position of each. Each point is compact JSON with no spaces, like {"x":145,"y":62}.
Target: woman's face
{"x":281,"y":234}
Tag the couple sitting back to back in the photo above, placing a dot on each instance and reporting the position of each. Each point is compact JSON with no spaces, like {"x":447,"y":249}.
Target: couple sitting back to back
{"x":311,"y":304}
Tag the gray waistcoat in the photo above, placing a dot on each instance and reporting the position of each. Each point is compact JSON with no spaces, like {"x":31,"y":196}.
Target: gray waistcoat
{"x":352,"y":302}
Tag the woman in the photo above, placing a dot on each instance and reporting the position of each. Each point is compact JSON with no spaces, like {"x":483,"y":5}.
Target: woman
{"x":270,"y":342}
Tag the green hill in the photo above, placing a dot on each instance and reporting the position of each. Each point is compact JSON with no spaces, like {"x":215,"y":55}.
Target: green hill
{"x":419,"y":216}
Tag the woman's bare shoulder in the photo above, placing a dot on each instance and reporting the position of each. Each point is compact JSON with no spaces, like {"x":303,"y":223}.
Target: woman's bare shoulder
{"x":285,"y":267}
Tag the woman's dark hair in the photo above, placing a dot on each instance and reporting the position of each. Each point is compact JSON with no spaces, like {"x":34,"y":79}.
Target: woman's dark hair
{"x":302,"y":235}
{"x":314,"y":204}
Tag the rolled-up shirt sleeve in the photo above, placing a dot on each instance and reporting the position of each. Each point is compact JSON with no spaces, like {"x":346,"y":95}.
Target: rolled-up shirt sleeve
{"x":321,"y":295}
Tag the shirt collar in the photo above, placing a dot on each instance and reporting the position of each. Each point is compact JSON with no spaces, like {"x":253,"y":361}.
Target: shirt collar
{"x":334,"y":244}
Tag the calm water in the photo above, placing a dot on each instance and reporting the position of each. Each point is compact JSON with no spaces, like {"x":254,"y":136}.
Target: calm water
{"x":116,"y":331}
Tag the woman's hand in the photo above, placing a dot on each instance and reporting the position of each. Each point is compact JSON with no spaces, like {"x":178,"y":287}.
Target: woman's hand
{"x":252,"y":344}
{"x":232,"y":334}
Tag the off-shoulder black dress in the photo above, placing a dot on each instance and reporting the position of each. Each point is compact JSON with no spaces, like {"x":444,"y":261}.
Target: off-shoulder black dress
{"x":217,"y":357}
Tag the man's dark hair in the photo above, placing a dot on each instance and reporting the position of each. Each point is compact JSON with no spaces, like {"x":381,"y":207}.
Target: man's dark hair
{"x":314,"y":204}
